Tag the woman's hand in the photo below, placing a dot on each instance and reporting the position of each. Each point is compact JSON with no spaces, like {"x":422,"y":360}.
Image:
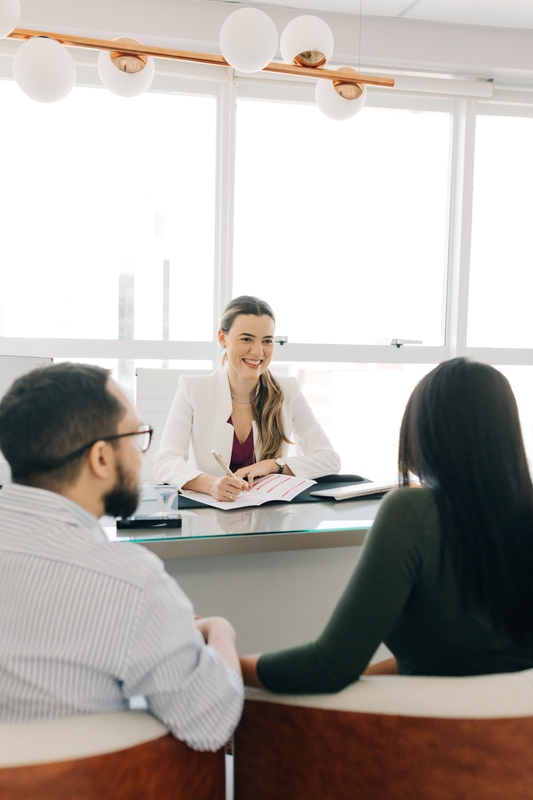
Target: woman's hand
{"x":226,"y":489}
{"x":387,"y":667}
{"x":259,"y":470}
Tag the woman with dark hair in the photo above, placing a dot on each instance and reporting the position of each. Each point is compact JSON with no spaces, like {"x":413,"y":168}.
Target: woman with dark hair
{"x":244,"y":413}
{"x":445,"y":577}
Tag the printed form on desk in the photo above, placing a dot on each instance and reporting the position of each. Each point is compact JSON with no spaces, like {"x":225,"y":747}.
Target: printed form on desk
{"x":278,"y":488}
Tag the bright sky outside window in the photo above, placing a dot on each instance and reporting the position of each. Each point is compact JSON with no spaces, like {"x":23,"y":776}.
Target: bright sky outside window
{"x":98,"y":193}
{"x":501,"y":265}
{"x":343,"y":227}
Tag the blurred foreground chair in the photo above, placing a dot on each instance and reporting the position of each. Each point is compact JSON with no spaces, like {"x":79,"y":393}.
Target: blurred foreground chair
{"x":123,"y":756}
{"x":391,"y":738}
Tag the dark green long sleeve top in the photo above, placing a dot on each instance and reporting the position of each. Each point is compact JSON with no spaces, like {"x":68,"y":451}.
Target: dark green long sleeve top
{"x":397,"y":595}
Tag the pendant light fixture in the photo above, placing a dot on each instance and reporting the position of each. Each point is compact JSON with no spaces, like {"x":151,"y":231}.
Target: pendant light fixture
{"x":125,"y":74}
{"x":339,"y":99}
{"x":248,"y":41}
{"x":44,"y":70}
{"x":307,"y":41}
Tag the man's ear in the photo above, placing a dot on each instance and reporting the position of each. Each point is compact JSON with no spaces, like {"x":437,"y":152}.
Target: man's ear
{"x":101,"y":460}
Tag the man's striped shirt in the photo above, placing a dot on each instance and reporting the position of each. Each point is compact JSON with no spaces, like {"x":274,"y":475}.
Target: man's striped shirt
{"x":86,"y":624}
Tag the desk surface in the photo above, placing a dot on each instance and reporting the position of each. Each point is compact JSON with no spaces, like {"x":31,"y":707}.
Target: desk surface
{"x":207,"y":531}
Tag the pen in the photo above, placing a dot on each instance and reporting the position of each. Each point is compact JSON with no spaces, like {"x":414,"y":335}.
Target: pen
{"x":223,"y":464}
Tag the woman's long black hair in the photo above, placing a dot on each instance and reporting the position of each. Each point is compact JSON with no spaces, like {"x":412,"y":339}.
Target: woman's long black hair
{"x":461,"y":436}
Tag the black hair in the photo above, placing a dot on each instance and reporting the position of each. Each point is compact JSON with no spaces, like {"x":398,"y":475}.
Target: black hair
{"x":461,"y":436}
{"x":50,"y":413}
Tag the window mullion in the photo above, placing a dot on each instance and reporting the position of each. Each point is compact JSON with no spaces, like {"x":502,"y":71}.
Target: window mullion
{"x":461,"y":227}
{"x":225,"y":190}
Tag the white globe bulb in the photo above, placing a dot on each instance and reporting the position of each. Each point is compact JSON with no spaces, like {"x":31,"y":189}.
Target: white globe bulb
{"x":333,"y":105}
{"x":248,"y":40}
{"x":303,"y":34}
{"x":44,"y":70}
{"x":125,"y":84}
{"x":9,"y":16}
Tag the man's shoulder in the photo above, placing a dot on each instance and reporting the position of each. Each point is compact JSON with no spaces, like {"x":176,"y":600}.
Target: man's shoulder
{"x":127,"y":562}
{"x":78,"y":548}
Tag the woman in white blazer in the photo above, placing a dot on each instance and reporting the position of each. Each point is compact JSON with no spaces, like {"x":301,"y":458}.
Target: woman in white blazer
{"x":244,"y":413}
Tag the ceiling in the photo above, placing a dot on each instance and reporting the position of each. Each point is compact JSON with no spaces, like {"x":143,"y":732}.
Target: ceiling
{"x":496,"y":13}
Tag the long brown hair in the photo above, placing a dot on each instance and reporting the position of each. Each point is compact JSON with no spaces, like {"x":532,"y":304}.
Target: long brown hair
{"x":267,"y":403}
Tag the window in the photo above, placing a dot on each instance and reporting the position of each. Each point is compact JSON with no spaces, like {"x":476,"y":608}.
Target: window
{"x":360,"y":407}
{"x":107,"y":204}
{"x":501,"y":270}
{"x":121,"y":242}
{"x":343,"y":227}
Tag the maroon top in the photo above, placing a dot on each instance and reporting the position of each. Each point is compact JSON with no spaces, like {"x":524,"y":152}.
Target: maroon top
{"x":242,"y":455}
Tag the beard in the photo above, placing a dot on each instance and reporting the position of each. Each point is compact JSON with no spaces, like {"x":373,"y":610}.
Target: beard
{"x":123,"y":499}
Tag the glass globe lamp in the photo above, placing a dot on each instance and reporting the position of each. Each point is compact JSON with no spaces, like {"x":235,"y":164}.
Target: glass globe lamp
{"x":306,"y":41}
{"x":44,"y":70}
{"x":339,"y":100}
{"x":125,"y":74}
{"x":248,"y":40}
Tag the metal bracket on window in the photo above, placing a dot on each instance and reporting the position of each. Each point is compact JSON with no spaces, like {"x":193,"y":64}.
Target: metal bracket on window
{"x":281,"y":339}
{"x":399,"y":342}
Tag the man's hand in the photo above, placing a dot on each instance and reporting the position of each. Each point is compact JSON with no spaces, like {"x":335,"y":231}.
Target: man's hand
{"x":218,"y":633}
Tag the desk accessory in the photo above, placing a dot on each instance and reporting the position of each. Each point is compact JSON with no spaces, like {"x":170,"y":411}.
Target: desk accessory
{"x":362,"y":489}
{"x":157,"y":509}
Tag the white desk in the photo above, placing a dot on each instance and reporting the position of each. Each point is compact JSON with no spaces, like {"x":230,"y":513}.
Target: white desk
{"x":275,"y":572}
{"x":283,"y":527}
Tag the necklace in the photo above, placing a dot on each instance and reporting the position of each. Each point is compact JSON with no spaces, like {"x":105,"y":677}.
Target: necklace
{"x":242,"y":402}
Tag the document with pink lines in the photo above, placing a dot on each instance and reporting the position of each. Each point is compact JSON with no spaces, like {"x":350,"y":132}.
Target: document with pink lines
{"x":271,"y":488}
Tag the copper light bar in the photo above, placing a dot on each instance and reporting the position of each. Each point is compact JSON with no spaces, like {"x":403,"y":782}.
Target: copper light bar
{"x":197,"y":58}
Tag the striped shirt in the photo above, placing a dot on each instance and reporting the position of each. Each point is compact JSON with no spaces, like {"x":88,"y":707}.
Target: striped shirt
{"x":86,"y":624}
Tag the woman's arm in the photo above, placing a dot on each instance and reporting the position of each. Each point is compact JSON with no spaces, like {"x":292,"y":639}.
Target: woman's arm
{"x":368,"y":609}
{"x":249,"y":670}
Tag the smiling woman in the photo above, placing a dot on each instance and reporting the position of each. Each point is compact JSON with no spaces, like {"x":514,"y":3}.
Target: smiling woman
{"x":244,"y":413}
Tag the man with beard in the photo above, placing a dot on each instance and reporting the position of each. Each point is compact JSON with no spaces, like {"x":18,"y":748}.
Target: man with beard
{"x":85,"y":623}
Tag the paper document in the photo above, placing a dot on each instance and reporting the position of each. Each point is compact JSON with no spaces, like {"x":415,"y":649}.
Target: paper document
{"x":358,"y":489}
{"x":278,"y":488}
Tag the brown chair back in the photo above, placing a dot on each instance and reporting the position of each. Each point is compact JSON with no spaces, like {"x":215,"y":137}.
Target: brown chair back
{"x":290,"y":752}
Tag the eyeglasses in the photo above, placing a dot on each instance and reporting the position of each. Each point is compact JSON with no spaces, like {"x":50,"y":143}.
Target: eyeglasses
{"x":144,"y":433}
{"x":145,"y":437}
{"x":47,"y":465}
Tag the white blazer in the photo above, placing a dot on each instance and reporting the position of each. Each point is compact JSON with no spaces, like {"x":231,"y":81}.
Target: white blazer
{"x":198,"y":423}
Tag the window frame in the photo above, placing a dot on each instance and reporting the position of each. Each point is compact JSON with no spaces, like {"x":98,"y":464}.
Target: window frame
{"x":226,"y":88}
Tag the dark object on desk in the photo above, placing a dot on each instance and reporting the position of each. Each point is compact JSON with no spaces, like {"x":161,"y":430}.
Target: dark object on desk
{"x":326,"y":482}
{"x":149,"y":522}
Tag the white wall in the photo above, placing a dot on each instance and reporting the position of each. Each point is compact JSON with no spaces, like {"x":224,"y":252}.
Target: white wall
{"x":273,"y":600}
